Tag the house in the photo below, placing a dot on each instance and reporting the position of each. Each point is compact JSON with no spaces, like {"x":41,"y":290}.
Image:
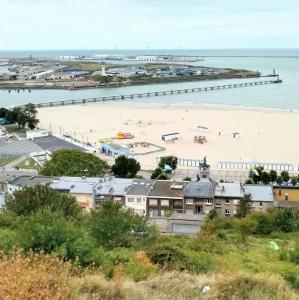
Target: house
{"x":23,"y":181}
{"x":2,"y":200}
{"x":112,"y":149}
{"x":286,"y":196}
{"x":199,"y":197}
{"x":136,"y":196}
{"x":82,"y":188}
{"x":112,"y":189}
{"x":165,"y":197}
{"x":262,"y":196}
{"x":227,"y":197}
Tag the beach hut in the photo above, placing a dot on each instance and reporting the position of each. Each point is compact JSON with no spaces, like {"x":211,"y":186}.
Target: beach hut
{"x":170,"y":137}
{"x":203,"y":129}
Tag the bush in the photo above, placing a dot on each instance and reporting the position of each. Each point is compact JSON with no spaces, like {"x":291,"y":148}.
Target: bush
{"x":170,"y":257}
{"x":263,"y":222}
{"x":292,"y":279}
{"x":50,"y":232}
{"x":112,"y":226}
{"x":294,"y":255}
{"x":284,"y":220}
{"x":9,"y":240}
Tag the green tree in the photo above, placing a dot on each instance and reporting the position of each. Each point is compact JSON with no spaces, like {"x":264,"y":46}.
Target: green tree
{"x":273,"y":175}
{"x":30,"y":199}
{"x":294,"y":181}
{"x":74,"y":163}
{"x":163,"y":176}
{"x":112,"y":226}
{"x":265,"y":177}
{"x":125,"y":167}
{"x":285,"y":176}
{"x":244,"y":206}
{"x":30,"y":112}
{"x":256,"y":174}
{"x":157,"y":172}
{"x":168,"y":160}
{"x":279,"y":180}
{"x":284,"y":220}
{"x":50,"y":232}
{"x":3,"y":112}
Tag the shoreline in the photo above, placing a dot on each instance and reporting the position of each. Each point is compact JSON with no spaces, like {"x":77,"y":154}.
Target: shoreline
{"x":263,"y":133}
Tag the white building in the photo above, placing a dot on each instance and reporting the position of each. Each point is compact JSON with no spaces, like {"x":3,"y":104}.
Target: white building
{"x":137,"y":195}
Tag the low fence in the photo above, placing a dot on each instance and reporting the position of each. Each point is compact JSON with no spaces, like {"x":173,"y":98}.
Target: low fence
{"x":242,"y":165}
{"x":185,"y":162}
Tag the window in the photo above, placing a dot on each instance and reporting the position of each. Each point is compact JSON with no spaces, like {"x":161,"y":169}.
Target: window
{"x":117,"y":198}
{"x":279,"y":192}
{"x":138,"y":200}
{"x":208,"y":202}
{"x":286,"y":197}
{"x":261,"y":204}
{"x":177,"y":203}
{"x":130,"y":199}
{"x":227,"y":212}
{"x":153,"y":212}
{"x":162,"y":212}
{"x":189,"y":201}
{"x":164,"y":202}
{"x":226,"y":201}
{"x":153,"y":202}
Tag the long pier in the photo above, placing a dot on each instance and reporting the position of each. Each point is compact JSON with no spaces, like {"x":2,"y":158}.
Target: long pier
{"x":161,"y":93}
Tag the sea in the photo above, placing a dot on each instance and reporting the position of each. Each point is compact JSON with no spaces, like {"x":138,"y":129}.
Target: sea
{"x":283,"y":96}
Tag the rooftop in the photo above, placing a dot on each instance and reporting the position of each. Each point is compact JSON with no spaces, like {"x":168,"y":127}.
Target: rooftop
{"x":259,"y":192}
{"x":200,"y":189}
{"x":52,"y":144}
{"x":29,"y":181}
{"x":141,"y":187}
{"x":229,"y":190}
{"x":163,"y":188}
{"x":114,"y":186}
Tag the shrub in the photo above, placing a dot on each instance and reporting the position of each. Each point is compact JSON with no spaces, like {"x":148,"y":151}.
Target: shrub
{"x":50,"y":232}
{"x":263,"y":222}
{"x":294,"y":255}
{"x":112,"y":226}
{"x":292,"y":279}
{"x":170,"y":257}
{"x":284,"y":220}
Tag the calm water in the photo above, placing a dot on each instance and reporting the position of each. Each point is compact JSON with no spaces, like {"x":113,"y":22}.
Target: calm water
{"x":284,"y":96}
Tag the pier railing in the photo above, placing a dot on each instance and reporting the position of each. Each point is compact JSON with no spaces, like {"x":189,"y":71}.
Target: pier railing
{"x":157,"y":93}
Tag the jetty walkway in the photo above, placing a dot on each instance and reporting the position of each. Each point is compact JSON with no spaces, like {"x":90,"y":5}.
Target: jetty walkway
{"x":158,"y":93}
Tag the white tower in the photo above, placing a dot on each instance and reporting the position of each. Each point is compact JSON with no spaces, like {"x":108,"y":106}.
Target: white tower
{"x":104,"y":70}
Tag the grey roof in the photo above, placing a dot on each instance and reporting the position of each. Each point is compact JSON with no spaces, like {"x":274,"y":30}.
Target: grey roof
{"x":200,"y":189}
{"x":52,"y":144}
{"x":114,"y":186}
{"x":8,"y":175}
{"x":26,"y":181}
{"x":15,"y":147}
{"x":141,"y":187}
{"x":229,"y":190}
{"x":259,"y":192}
{"x":76,"y":185}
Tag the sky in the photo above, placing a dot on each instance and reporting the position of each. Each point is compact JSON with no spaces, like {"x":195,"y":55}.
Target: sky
{"x":148,"y":24}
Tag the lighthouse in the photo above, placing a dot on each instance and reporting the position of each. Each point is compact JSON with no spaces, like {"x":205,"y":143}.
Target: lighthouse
{"x":104,"y":70}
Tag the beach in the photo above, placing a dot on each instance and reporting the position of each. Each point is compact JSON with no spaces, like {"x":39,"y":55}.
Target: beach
{"x":263,"y":135}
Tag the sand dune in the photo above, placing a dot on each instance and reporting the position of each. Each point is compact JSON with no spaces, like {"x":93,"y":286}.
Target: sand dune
{"x":268,"y":136}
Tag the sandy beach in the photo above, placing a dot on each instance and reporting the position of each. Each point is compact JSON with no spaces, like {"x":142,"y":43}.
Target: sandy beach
{"x":266,"y":136}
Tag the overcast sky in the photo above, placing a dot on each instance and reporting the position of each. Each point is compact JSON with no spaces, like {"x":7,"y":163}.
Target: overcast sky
{"x":155,"y":24}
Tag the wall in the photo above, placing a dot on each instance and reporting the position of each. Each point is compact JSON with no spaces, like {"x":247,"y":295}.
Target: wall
{"x":137,"y":203}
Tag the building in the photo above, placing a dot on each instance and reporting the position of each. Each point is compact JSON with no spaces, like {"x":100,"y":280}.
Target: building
{"x":227,"y":197}
{"x":36,"y":133}
{"x":112,"y":189}
{"x":262,"y":196}
{"x":286,"y":196}
{"x":27,"y":181}
{"x":199,"y":197}
{"x":165,"y":197}
{"x":136,"y":196}
{"x":112,"y":149}
{"x":82,"y":188}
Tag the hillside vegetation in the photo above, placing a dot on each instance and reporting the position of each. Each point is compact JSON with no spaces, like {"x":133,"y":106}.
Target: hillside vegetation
{"x":51,"y":250}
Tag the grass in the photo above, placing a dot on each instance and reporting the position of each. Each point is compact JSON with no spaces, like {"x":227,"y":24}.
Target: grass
{"x":28,"y":164}
{"x":14,"y":129}
{"x":6,"y":161}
